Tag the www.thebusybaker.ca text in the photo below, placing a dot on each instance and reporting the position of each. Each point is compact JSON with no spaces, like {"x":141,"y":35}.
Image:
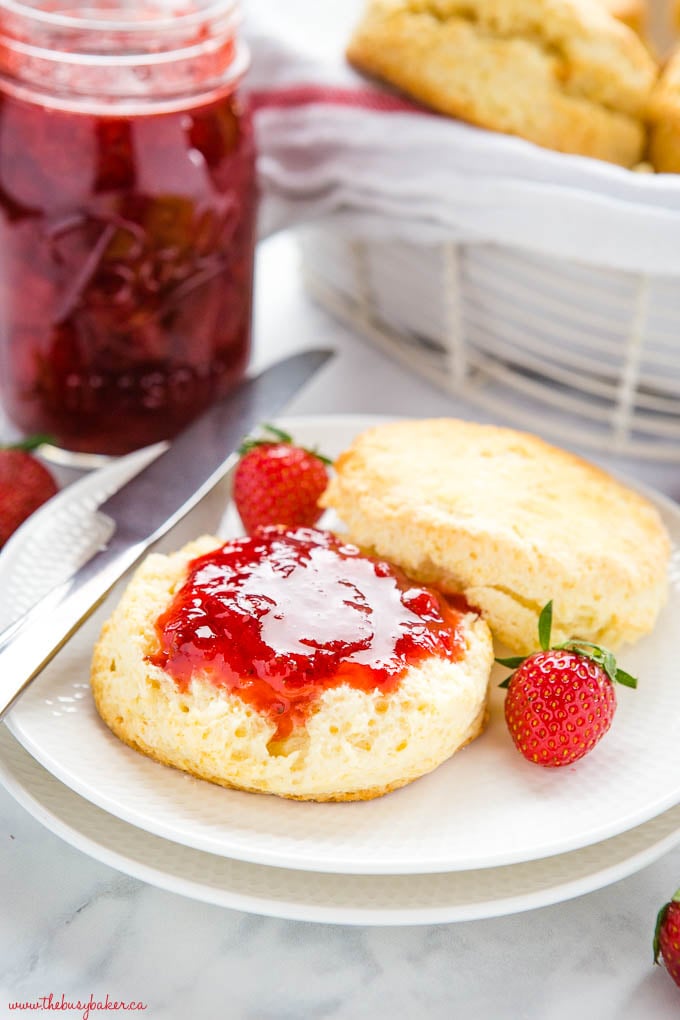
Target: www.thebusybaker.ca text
{"x":83,"y":1006}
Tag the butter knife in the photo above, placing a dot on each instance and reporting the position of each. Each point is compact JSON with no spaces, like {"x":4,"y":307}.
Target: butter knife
{"x":143,"y":510}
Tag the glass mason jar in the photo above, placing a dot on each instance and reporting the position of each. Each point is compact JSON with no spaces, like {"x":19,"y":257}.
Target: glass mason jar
{"x":127,"y":216}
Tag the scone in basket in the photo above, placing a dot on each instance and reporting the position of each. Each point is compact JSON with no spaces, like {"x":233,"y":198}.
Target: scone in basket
{"x":542,"y":286}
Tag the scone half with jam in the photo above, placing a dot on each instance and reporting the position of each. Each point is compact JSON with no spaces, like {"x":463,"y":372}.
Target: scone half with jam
{"x":290,"y":663}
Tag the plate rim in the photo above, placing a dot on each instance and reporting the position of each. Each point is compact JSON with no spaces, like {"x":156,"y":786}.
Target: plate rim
{"x":290,"y":908}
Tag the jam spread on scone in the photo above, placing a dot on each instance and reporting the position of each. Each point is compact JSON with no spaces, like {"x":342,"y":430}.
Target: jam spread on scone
{"x":280,"y":616}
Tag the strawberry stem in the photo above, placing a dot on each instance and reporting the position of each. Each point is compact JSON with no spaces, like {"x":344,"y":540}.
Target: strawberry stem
{"x":29,"y":444}
{"x":602,"y":656}
{"x":512,"y":663}
{"x":545,"y":625}
{"x":626,"y":679}
{"x":321,"y":456}
{"x":277,"y":435}
{"x":660,"y":918}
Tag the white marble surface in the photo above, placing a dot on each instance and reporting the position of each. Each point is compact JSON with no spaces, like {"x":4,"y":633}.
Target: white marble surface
{"x":69,"y":924}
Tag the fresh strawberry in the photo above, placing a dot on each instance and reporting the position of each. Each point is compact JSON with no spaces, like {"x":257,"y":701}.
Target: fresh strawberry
{"x":667,"y":937}
{"x":277,"y":482}
{"x":561,"y":700}
{"x":25,"y":484}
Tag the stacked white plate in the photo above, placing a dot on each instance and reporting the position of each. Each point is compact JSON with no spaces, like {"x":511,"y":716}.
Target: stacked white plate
{"x":486,"y":834}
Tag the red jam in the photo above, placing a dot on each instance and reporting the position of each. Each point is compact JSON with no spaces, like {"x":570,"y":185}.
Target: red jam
{"x":127,"y":217}
{"x":283,"y":615}
{"x":126,"y":274}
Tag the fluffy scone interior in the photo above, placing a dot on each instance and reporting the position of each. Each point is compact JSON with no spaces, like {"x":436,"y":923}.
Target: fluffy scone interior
{"x":510,"y":521}
{"x":564,"y":74}
{"x":355,"y":745}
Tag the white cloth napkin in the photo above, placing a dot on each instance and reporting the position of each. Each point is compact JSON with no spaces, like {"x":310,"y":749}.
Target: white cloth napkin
{"x":336,"y":147}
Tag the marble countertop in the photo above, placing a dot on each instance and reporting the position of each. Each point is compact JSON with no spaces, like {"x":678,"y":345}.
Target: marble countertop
{"x":71,"y":925}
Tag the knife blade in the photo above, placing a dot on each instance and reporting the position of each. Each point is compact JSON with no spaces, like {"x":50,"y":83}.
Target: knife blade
{"x":143,"y":510}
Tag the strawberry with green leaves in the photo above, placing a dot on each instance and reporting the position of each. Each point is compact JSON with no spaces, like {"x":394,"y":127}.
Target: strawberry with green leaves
{"x":667,"y":937}
{"x":277,"y":482}
{"x":561,"y":700}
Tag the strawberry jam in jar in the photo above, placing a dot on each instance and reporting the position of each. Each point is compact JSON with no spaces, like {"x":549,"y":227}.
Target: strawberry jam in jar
{"x":127,"y":215}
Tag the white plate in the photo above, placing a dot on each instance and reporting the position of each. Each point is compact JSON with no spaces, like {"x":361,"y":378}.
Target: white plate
{"x":334,"y":899}
{"x":484,"y":808}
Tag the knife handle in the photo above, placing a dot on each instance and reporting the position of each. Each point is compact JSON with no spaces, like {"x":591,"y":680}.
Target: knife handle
{"x":36,"y":638}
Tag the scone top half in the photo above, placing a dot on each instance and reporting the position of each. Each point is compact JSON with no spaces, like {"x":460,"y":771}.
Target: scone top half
{"x":509,"y":521}
{"x":562,"y":73}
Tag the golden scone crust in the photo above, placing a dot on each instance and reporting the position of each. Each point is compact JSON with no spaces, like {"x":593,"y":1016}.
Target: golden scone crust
{"x":510,"y":521}
{"x":564,"y":74}
{"x":664,"y":118}
{"x":355,"y":745}
{"x":631,"y":12}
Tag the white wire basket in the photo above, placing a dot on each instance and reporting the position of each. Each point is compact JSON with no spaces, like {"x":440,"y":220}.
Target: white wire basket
{"x":588,"y":355}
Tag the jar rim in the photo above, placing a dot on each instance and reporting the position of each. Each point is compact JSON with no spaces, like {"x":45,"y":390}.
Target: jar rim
{"x":53,"y":19}
{"x":196,"y":54}
{"x":132,"y":59}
